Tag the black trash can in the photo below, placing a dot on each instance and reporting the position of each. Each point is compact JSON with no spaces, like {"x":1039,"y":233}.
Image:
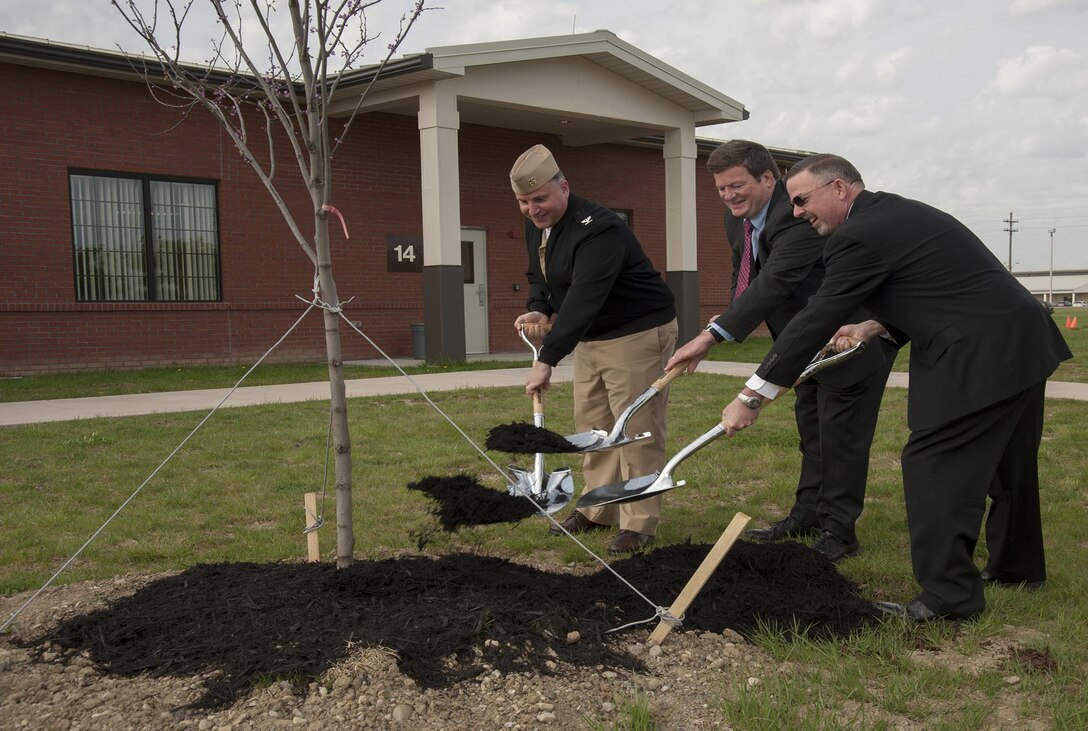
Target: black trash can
{"x":419,"y":342}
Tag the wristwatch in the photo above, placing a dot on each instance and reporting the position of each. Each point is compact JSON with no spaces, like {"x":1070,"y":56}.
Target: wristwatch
{"x":752,"y":402}
{"x":718,"y":337}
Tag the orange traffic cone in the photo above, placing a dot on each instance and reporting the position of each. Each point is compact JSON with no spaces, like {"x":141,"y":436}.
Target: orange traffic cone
{"x":1074,"y":325}
{"x":1068,"y":322}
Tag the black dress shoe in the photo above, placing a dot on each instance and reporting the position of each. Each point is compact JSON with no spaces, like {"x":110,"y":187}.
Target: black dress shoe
{"x":989,"y":577}
{"x":834,"y":548}
{"x":576,"y":523}
{"x":628,"y":541}
{"x":914,"y":611}
{"x":785,"y":528}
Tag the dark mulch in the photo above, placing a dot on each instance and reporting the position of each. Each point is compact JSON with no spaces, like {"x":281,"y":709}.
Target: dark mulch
{"x":234,"y":625}
{"x":521,"y":438}
{"x":462,"y":501}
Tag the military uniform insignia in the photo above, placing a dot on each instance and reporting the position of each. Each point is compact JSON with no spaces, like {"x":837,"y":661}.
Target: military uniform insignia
{"x":587,"y":220}
{"x":531,"y":182}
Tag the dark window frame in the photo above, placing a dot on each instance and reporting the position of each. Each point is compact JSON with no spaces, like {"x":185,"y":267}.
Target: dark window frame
{"x":626,"y":215}
{"x":150,"y":273}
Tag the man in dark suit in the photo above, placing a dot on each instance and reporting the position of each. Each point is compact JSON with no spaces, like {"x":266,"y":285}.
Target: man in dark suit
{"x":777,"y":265}
{"x":982,"y":348}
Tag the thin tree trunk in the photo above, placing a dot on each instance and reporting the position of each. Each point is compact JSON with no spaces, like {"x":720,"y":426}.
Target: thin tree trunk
{"x":341,"y":437}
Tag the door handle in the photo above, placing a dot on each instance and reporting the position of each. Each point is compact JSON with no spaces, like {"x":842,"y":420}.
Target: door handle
{"x":483,"y":294}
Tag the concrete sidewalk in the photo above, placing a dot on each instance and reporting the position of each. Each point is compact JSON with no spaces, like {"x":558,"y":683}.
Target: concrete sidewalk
{"x":33,"y":412}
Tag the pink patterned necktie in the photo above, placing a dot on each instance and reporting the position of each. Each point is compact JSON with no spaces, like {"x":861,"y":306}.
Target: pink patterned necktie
{"x":745,"y":260}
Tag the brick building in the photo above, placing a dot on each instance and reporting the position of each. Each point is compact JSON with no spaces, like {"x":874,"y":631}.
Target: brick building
{"x":198,"y":265}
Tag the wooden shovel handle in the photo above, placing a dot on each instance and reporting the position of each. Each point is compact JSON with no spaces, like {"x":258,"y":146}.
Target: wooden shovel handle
{"x":545,"y":327}
{"x":677,"y":370}
{"x":538,"y":402}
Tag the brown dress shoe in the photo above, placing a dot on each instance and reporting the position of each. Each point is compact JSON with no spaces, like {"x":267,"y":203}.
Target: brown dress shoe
{"x":576,"y":523}
{"x":628,"y":541}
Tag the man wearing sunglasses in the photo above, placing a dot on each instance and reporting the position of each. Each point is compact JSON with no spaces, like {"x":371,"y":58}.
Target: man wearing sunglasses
{"x":982,"y":348}
{"x":777,"y":265}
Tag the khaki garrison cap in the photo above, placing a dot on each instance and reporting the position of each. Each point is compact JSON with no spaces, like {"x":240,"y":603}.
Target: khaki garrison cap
{"x":533,"y":168}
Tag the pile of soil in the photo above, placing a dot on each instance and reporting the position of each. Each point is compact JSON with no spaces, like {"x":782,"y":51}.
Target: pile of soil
{"x":447,"y":619}
{"x":521,"y":438}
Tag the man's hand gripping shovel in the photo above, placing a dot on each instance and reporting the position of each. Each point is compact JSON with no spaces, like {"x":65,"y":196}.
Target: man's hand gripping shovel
{"x":657,"y":482}
{"x":549,"y":490}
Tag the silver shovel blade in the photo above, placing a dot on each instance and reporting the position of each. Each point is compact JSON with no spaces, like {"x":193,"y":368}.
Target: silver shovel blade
{"x":598,"y":440}
{"x":636,"y":488}
{"x":554,"y":491}
{"x":559,"y":491}
{"x":651,"y":484}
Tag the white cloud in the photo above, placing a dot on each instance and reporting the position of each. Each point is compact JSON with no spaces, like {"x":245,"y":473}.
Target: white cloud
{"x":1040,"y":71}
{"x":870,"y":115}
{"x":889,"y":67}
{"x":1028,"y":7}
{"x":821,"y":19}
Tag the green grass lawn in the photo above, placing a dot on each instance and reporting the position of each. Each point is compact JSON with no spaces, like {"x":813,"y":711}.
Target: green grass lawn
{"x":235,"y":493}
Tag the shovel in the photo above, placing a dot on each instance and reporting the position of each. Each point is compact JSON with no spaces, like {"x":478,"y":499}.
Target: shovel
{"x":658,"y":482}
{"x":597,"y":440}
{"x":549,"y":490}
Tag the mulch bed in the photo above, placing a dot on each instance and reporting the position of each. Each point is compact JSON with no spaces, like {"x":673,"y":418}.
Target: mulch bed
{"x":234,"y":625}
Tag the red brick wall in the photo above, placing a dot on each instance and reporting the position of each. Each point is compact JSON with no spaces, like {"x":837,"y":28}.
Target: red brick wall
{"x":55,"y":121}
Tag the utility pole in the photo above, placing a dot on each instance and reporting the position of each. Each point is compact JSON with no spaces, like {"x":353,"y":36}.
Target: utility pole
{"x":1010,"y":220}
{"x":1052,"y":264}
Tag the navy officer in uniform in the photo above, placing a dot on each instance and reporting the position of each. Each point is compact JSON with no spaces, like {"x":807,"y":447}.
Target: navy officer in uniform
{"x":590,"y":278}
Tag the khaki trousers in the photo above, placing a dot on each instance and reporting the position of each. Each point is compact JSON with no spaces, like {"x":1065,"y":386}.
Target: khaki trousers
{"x":608,"y":376}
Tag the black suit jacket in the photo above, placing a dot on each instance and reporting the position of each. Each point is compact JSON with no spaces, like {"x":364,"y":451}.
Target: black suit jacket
{"x":977,"y":336}
{"x":790,"y":269}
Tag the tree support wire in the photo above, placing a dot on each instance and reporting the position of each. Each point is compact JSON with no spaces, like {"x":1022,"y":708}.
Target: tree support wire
{"x":659,"y":612}
{"x":154,"y":472}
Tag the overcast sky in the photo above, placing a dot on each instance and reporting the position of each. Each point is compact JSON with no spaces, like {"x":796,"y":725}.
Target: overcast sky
{"x":979,"y":107}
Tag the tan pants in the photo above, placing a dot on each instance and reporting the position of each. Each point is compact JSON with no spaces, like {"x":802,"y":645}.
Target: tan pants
{"x":608,"y":376}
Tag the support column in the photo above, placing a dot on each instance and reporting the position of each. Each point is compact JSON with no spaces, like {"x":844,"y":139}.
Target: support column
{"x":443,"y":275}
{"x":681,"y":242}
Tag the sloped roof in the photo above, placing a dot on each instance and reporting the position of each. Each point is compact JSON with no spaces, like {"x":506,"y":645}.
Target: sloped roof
{"x":592,"y":87}
{"x":607,"y":50}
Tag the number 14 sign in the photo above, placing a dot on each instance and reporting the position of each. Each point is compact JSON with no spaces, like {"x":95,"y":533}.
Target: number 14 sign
{"x":404,"y":253}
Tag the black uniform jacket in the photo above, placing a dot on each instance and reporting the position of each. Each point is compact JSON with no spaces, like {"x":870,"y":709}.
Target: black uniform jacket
{"x":599,"y":280}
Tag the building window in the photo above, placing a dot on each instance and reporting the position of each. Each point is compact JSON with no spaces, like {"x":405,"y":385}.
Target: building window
{"x":138,"y":238}
{"x":626,"y":215}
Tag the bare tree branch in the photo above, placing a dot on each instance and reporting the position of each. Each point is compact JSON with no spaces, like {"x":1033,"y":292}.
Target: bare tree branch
{"x":294,"y":90}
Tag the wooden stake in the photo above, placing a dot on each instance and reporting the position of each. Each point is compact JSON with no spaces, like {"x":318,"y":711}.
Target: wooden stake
{"x":702,"y":575}
{"x":313,"y":549}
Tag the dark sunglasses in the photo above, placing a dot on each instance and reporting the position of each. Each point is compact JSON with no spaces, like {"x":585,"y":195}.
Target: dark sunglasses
{"x":802,"y":200}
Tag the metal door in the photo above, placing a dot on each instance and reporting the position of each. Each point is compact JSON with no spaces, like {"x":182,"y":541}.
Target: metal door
{"x":474,"y":261}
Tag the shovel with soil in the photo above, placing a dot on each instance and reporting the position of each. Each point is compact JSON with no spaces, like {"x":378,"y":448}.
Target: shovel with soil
{"x":549,"y":490}
{"x":598,"y":440}
{"x":520,"y":438}
{"x":658,"y":482}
